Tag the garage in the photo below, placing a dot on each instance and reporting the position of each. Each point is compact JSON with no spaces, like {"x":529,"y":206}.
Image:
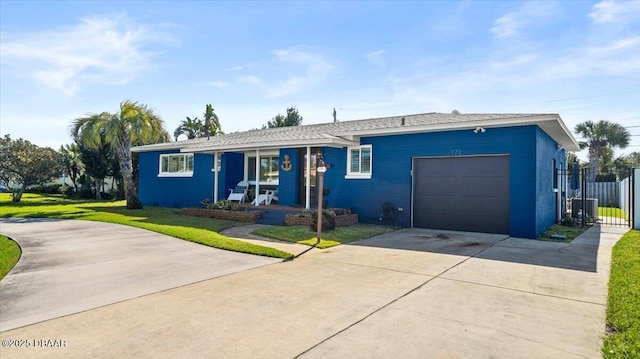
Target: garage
{"x":462,"y":193}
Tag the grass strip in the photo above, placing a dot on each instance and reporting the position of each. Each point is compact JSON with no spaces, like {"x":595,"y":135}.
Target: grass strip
{"x":613,"y":212}
{"x":9,"y":255}
{"x":623,"y":305}
{"x":340,"y":235}
{"x":167,"y":221}
{"x":570,"y":232}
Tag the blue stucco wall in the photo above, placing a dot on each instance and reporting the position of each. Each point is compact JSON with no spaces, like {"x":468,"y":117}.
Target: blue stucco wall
{"x":392,"y":162}
{"x":288,"y":181}
{"x":546,"y":197}
{"x":231,"y":172}
{"x":174,"y":191}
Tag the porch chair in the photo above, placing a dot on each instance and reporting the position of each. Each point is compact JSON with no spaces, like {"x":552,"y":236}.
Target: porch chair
{"x":273,"y":194}
{"x":239,"y":193}
{"x":266,"y":198}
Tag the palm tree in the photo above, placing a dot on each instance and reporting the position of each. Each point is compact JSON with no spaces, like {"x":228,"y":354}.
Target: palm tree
{"x":601,"y":137}
{"x":192,"y":128}
{"x":72,"y":163}
{"x":134,"y":123}
{"x":211,"y":123}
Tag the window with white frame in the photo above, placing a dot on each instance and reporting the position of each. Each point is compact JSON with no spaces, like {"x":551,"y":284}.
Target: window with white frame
{"x":269,"y":169}
{"x":359,"y":162}
{"x":176,"y":165}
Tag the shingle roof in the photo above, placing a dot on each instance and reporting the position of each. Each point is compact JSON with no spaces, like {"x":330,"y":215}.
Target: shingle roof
{"x":348,"y":132}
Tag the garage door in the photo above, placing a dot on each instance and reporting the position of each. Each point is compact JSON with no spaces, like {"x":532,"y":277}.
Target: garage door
{"x":462,"y":193}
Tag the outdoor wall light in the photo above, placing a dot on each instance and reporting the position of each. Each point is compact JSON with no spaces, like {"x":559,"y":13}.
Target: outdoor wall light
{"x":479,"y":129}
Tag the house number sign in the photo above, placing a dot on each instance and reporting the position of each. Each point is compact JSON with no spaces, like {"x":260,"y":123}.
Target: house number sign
{"x":286,"y":164}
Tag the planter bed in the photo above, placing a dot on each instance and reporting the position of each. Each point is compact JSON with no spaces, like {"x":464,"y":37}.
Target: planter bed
{"x":240,"y":216}
{"x":306,"y":220}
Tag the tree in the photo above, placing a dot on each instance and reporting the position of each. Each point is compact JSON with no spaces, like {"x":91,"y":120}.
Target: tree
{"x":211,"y":123}
{"x":134,"y":123}
{"x":601,"y":137}
{"x":196,"y":128}
{"x":292,"y":118}
{"x":571,"y":159}
{"x":24,"y":164}
{"x":192,"y":128}
{"x":633,"y":159}
{"x":72,"y":161}
{"x":97,"y":163}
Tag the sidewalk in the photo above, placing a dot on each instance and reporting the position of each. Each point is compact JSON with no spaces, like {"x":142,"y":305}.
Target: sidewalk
{"x":243,"y":233}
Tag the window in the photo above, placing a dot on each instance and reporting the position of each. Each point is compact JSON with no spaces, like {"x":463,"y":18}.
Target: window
{"x":178,"y":165}
{"x":359,"y":162}
{"x":269,"y":169}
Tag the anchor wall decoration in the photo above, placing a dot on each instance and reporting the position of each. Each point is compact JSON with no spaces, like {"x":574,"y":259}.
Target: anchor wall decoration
{"x":286,"y":164}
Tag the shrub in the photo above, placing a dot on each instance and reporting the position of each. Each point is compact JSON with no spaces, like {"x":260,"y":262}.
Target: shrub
{"x":46,"y":189}
{"x":328,"y":221}
{"x":222,"y":204}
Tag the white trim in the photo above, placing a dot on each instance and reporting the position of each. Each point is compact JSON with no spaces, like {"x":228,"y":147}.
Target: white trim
{"x":367,"y":176}
{"x":257,"y":192}
{"x":359,"y":175}
{"x":335,"y":142}
{"x":184,"y":173}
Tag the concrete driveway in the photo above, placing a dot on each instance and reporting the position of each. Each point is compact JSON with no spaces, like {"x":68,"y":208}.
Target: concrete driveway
{"x":408,"y":294}
{"x":69,"y":266}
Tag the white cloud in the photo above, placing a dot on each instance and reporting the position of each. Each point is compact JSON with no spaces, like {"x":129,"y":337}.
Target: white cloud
{"x":312,"y":69}
{"x":615,"y":11}
{"x":217,"y":84}
{"x":99,"y":50}
{"x":529,"y":13}
{"x":375,"y":58}
{"x":254,"y":80}
{"x":620,"y":45}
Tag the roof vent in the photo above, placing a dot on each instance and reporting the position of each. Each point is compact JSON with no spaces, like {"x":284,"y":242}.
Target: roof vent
{"x":455,"y":112}
{"x":402,"y":121}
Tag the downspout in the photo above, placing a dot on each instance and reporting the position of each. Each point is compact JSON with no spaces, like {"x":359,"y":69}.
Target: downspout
{"x":257,"y":176}
{"x":307,"y":204}
{"x":216,"y":158}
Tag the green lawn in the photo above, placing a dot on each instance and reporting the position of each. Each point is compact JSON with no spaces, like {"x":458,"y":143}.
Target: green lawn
{"x":623,"y":307}
{"x":162,"y":220}
{"x":611,"y":212}
{"x":340,"y":235}
{"x":9,"y":255}
{"x":570,"y":232}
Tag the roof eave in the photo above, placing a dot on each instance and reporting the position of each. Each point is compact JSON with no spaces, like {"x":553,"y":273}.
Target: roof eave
{"x":550,"y":123}
{"x":319,"y":142}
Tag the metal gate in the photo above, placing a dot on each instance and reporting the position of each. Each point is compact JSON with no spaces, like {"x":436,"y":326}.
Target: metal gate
{"x":593,"y":198}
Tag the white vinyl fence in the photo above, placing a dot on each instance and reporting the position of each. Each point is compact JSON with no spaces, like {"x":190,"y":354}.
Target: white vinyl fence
{"x":607,"y":193}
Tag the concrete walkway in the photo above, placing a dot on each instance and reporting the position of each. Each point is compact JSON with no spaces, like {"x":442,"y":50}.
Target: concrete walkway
{"x":69,"y":266}
{"x":243,"y":233}
{"x":412,"y":293}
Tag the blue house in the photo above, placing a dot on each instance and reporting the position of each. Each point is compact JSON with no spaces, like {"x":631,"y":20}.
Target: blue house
{"x":494,"y":173}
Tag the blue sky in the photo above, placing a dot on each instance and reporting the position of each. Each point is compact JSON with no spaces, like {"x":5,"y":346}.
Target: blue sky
{"x":252,"y":60}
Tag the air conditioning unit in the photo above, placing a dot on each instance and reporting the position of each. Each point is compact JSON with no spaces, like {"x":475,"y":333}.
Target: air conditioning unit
{"x":590,"y":209}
